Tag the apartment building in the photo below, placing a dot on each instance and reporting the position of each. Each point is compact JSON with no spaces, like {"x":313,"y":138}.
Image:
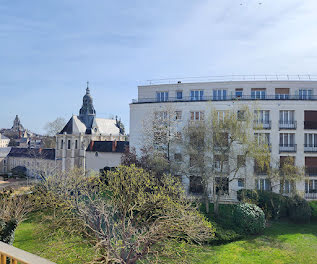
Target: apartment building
{"x":286,"y":110}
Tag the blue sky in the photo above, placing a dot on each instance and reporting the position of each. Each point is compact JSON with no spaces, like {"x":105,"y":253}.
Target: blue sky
{"x":49,"y":49}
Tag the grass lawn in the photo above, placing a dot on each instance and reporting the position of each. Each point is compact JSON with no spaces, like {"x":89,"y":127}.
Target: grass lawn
{"x":283,"y":242}
{"x":35,"y":237}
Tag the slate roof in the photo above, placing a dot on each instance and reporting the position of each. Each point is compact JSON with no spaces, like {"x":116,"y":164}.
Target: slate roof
{"x":99,"y":126}
{"x":32,"y":153}
{"x":4,"y":152}
{"x":108,"y":146}
{"x":3,"y":137}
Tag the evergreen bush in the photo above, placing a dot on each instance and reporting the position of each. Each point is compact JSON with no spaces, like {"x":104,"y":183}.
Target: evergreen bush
{"x":250,"y":218}
{"x":299,"y":210}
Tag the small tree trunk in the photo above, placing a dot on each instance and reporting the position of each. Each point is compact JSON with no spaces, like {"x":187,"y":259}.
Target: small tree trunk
{"x":207,"y":202}
{"x":216,"y":206}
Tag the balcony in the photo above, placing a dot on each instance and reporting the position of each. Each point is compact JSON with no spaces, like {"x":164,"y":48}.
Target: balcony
{"x":311,"y":171}
{"x":287,"y":124}
{"x":260,"y":171}
{"x":10,"y":254}
{"x":262,"y":125}
{"x":310,"y":148}
{"x":288,"y":148}
{"x":224,"y":98}
{"x":311,"y":196}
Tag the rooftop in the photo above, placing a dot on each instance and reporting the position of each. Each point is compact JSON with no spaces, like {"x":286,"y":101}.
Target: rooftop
{"x":230,"y":78}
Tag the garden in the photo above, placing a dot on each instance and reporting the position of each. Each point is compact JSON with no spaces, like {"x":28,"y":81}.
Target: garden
{"x":130,"y":216}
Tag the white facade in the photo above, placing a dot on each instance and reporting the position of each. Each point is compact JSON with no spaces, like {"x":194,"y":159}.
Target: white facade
{"x":4,"y":141}
{"x":290,"y":125}
{"x":96,"y":160}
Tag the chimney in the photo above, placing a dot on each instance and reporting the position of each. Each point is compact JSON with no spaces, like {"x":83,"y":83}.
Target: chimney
{"x":91,"y":145}
{"x":114,"y":146}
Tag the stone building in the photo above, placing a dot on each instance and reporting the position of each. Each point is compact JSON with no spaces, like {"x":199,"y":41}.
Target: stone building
{"x":81,"y":130}
{"x":4,"y":141}
{"x":36,"y":162}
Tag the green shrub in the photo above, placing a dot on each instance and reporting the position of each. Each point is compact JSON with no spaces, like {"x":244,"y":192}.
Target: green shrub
{"x":248,"y":196}
{"x":250,"y":218}
{"x":223,"y":235}
{"x":299,"y":210}
{"x":313,"y":206}
{"x":274,"y":205}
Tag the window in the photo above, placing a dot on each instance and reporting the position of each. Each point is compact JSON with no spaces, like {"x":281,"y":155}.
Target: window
{"x":221,"y":140}
{"x":221,"y":160}
{"x":258,"y":93}
{"x":262,"y":138}
{"x":262,"y":116}
{"x":286,"y":186}
{"x":282,"y":93}
{"x":68,"y":144}
{"x":239,"y":92}
{"x":263,"y":184}
{"x":197,"y":115}
{"x":240,"y":161}
{"x":287,"y":139}
{"x":196,"y":95}
{"x":287,"y":116}
{"x":162,"y":96}
{"x":195,"y":185}
{"x":310,"y":140}
{"x":222,"y":185}
{"x":178,"y":157}
{"x":241,"y":115}
{"x":62,"y":143}
{"x":179,"y":95}
{"x":219,"y":94}
{"x":311,"y":186}
{"x":162,"y":115}
{"x":305,"y":94}
{"x":193,"y":160}
{"x":76,"y":144}
{"x":241,"y":182}
{"x":221,"y":115}
{"x":178,"y":115}
{"x":310,"y":119}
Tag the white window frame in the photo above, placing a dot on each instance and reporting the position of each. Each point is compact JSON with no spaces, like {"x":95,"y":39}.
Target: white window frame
{"x":196,"y":95}
{"x":162,"y":96}
{"x":219,"y":94}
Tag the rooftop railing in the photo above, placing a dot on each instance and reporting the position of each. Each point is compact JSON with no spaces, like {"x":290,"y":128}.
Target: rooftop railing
{"x":225,"y":98}
{"x":18,"y":256}
{"x":228,"y":78}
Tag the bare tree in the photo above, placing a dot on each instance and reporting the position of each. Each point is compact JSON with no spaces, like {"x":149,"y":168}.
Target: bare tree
{"x":52,"y":128}
{"x":219,"y":148}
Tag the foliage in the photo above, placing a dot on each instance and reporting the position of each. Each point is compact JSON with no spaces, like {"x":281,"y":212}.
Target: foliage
{"x":7,"y":230}
{"x":250,"y":218}
{"x":299,"y":210}
{"x":13,"y":210}
{"x":19,"y":172}
{"x":130,"y":214}
{"x":54,"y":127}
{"x":248,"y":196}
{"x":313,"y":206}
{"x":274,"y":205}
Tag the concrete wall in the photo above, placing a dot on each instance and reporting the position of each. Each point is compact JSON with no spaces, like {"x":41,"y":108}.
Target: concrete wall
{"x":141,"y":114}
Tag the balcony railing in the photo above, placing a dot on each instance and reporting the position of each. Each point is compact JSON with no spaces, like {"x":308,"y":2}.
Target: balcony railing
{"x":18,"y":256}
{"x":287,"y":124}
{"x":288,"y":148}
{"x":311,"y":196}
{"x":262,"y":125}
{"x":310,"y":124}
{"x":310,"y":148}
{"x":311,"y":171}
{"x":223,"y":98}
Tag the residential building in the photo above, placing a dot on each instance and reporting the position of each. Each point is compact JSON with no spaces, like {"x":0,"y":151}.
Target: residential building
{"x":285,"y":117}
